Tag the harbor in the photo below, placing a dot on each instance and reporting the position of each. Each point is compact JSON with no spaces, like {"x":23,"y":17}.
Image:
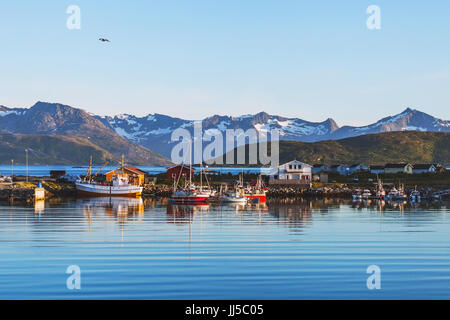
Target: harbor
{"x":431,"y":188}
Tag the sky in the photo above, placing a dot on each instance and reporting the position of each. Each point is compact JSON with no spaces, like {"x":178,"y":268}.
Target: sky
{"x":191,"y":59}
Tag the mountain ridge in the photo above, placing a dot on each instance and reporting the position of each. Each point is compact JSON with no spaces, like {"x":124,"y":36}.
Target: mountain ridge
{"x":371,"y":149}
{"x":58,"y":119}
{"x":140,"y":137}
{"x":154,"y":130}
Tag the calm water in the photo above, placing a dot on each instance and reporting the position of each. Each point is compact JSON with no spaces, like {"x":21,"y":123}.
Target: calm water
{"x":134,"y":249}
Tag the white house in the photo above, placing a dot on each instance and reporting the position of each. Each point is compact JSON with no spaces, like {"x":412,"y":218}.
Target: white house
{"x":423,"y":168}
{"x":293,"y":170}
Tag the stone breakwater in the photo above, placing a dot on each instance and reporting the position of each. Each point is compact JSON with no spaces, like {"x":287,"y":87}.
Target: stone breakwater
{"x":26,"y":191}
{"x":279,"y":192}
{"x":19,"y":194}
{"x":157,"y":191}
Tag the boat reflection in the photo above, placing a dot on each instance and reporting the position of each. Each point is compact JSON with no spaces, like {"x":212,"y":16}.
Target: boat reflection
{"x":113,"y":206}
{"x":185,"y":212}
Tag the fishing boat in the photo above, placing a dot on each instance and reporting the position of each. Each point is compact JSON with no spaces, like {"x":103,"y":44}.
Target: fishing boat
{"x":415,"y":195}
{"x":380,"y":192}
{"x":188,"y":196}
{"x":397,"y":194}
{"x":357,"y":194}
{"x":119,"y":186}
{"x":392,"y":194}
{"x":366,"y":195}
{"x":401,"y":195}
{"x":256,"y":193}
{"x":190,"y":193}
{"x":233,"y":197}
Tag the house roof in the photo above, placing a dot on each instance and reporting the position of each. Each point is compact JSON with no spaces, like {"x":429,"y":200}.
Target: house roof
{"x":180,"y":166}
{"x":395,"y":165}
{"x":296,"y":161}
{"x":423,"y":166}
{"x":130,"y":168}
{"x":336,"y":166}
{"x":376,"y":167}
{"x":355,"y":165}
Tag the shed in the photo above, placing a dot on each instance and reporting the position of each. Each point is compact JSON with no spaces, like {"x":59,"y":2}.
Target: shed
{"x":175,"y":172}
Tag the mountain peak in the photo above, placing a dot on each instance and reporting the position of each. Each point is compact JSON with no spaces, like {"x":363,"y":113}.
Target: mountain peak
{"x":409,"y":110}
{"x":333,"y":125}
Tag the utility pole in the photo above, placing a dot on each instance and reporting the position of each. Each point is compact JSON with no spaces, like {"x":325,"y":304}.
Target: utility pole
{"x":26,"y":157}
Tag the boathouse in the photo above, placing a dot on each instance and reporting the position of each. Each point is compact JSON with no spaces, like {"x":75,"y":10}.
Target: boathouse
{"x":135,"y":176}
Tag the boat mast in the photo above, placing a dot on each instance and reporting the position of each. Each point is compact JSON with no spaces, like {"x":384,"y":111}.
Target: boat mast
{"x":201,"y":187}
{"x":190,"y":162}
{"x":89,"y":169}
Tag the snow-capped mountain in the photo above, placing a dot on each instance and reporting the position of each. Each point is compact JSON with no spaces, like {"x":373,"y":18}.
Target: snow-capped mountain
{"x":408,"y":120}
{"x":57,"y":119}
{"x":154,"y":131}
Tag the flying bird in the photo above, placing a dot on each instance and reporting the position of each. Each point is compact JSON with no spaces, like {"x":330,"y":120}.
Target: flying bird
{"x":104,"y":40}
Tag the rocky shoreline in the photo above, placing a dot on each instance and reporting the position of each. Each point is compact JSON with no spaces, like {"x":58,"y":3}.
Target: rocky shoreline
{"x":25,"y":191}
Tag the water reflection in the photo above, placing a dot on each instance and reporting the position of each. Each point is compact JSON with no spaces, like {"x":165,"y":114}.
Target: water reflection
{"x":39,"y":206}
{"x":285,"y":210}
{"x":288,"y":249}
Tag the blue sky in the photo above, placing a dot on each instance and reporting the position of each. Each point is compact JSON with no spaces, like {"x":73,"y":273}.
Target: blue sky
{"x":192,"y":59}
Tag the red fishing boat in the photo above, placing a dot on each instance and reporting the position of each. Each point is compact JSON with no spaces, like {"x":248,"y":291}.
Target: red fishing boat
{"x":255,"y":193}
{"x":190,"y":193}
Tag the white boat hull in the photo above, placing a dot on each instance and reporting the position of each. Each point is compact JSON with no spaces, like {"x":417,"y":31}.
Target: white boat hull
{"x":89,"y":189}
{"x":233,"y":199}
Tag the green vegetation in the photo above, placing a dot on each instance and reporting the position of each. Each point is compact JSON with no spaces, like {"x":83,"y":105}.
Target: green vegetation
{"x":410,"y":146}
{"x":372,"y":149}
{"x":49,"y":149}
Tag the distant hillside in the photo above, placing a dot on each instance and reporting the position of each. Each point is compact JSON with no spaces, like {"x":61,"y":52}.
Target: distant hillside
{"x":50,"y":149}
{"x":408,"y":146}
{"x":58,"y":119}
